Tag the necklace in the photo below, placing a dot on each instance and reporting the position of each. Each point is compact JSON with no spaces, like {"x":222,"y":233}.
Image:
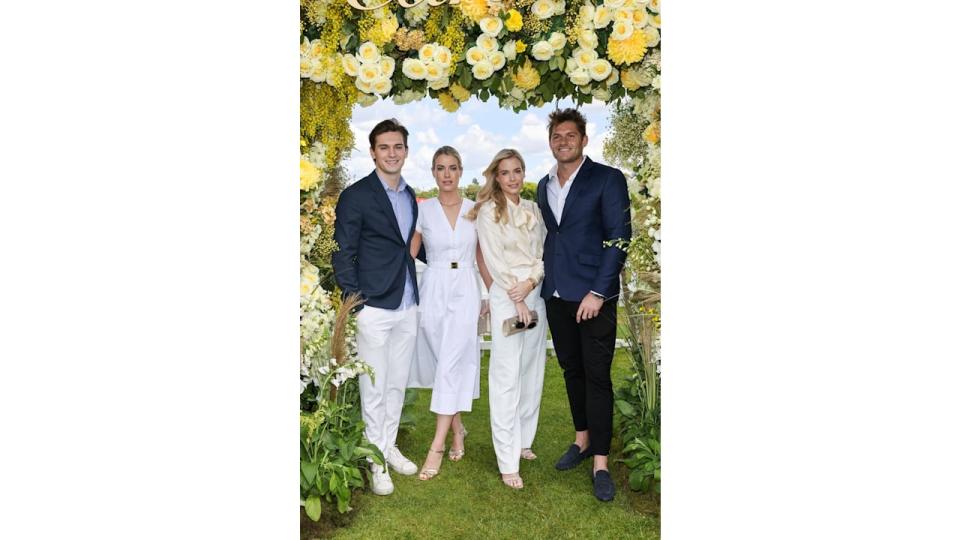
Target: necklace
{"x":460,"y":200}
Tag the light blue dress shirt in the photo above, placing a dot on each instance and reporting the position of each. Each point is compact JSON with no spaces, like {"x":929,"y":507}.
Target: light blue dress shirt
{"x":402,"y":204}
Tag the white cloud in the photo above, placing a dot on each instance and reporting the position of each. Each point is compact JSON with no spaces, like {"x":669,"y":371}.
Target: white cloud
{"x":463,"y":119}
{"x":427,"y":137}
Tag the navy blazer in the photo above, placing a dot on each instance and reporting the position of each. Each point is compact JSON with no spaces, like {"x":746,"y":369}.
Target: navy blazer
{"x":597,"y":209}
{"x":373,"y":259}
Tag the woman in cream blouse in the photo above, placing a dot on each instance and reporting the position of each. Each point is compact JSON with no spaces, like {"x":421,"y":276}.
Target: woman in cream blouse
{"x":510,"y":231}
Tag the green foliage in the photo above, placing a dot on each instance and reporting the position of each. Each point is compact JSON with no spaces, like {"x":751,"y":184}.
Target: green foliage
{"x":333,"y":451}
{"x":637,"y":406}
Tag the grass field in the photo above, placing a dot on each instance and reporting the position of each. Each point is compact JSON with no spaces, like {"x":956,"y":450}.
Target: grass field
{"x":468,"y":500}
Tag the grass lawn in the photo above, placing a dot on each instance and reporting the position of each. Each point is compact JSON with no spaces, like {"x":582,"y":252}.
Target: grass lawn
{"x":468,"y":499}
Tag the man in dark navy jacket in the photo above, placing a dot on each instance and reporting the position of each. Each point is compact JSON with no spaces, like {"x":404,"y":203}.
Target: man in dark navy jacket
{"x":585,"y":206}
{"x":374,"y":225}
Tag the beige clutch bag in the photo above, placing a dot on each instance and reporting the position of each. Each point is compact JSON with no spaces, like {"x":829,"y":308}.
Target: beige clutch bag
{"x":513,"y":325}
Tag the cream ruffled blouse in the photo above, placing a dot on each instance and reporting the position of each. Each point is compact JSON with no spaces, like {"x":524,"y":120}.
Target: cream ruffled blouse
{"x":512,"y":251}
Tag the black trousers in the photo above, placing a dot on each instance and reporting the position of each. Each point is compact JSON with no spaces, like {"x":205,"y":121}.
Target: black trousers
{"x":585,"y":352}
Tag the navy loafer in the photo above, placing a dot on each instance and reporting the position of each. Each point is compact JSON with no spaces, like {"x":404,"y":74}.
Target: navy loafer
{"x":603,"y":485}
{"x":572,"y":457}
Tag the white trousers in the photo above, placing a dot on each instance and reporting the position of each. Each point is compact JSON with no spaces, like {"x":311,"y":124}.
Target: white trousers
{"x":385,"y":340}
{"x":515,"y":378}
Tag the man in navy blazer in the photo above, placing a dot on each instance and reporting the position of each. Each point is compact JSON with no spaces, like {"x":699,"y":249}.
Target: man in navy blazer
{"x":374,"y":225}
{"x":585,"y":206}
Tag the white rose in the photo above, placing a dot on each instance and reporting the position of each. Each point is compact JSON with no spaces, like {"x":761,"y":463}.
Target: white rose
{"x":602,"y":17}
{"x":653,"y":186}
{"x":369,"y":72}
{"x":443,"y":56}
{"x":559,"y":7}
{"x":621,"y":30}
{"x":439,"y":84}
{"x":622,"y":15}
{"x":655,"y":20}
{"x":510,"y":50}
{"x":306,"y":67}
{"x":364,"y":86}
{"x":541,"y":50}
{"x":585,"y":57}
{"x":497,"y":59}
{"x":557,"y":40}
{"x":487,"y":43}
{"x":368,"y":52}
{"x":640,"y":18}
{"x":614,"y":78}
{"x":475,"y":54}
{"x":654,"y":6}
{"x":316,"y":48}
{"x":491,"y":26}
{"x":580,"y":77}
{"x":427,"y":52}
{"x":543,"y":9}
{"x":601,"y":93}
{"x":381,"y":86}
{"x":434,"y":71}
{"x":414,"y":69}
{"x":614,"y":4}
{"x":482,"y":70}
{"x":387,"y":65}
{"x":351,"y":66}
{"x":600,"y":70}
{"x":588,"y":39}
{"x":653,"y":35}
{"x":587,"y":12}
{"x":305,"y":47}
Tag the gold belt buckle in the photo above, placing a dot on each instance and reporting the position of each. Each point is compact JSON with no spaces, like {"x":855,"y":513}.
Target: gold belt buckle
{"x":454,"y":265}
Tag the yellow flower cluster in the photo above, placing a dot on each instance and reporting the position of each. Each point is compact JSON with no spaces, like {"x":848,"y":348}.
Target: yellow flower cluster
{"x":521,"y":46}
{"x":459,"y":92}
{"x":475,"y":9}
{"x":514,"y":20}
{"x":652,"y":133}
{"x":378,"y":29}
{"x":629,"y":50}
{"x":337,"y":13}
{"x":309,"y":175}
{"x":527,"y":77}
{"x":451,"y":36}
{"x":325,"y":113}
{"x":448,"y":102}
{"x":409,"y":40}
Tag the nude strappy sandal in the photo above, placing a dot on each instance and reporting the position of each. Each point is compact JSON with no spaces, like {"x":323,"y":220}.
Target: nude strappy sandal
{"x":427,"y":474}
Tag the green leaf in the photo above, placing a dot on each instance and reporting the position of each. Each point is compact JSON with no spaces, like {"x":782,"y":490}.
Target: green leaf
{"x":410,"y":396}
{"x":343,"y":504}
{"x":625,"y":408}
{"x":313,"y":507}
{"x":636,"y":480}
{"x":309,"y":470}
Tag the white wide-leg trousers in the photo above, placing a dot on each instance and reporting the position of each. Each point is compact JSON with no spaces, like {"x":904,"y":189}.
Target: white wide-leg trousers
{"x":385,"y":340}
{"x":515,"y":378}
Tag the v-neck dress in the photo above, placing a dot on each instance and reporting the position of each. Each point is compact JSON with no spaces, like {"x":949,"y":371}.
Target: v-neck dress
{"x":448,"y":348}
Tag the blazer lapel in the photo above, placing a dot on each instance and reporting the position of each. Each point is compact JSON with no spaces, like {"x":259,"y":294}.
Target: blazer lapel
{"x":545,"y":209}
{"x":579,"y":184}
{"x":415,"y":210}
{"x":380,"y":196}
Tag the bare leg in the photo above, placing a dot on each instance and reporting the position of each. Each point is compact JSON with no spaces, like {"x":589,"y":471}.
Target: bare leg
{"x":599,"y":463}
{"x":457,"y":447}
{"x":582,"y":440}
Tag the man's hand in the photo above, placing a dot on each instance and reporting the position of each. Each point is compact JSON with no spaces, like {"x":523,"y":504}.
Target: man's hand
{"x":589,"y":307}
{"x":520,"y":291}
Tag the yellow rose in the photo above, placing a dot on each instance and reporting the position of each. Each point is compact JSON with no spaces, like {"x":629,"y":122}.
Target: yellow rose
{"x":557,"y":40}
{"x":316,"y":48}
{"x":630,"y":79}
{"x":387,"y":65}
{"x":368,"y":52}
{"x":585,"y":57}
{"x":600,"y":70}
{"x":527,"y":77}
{"x":459,"y":92}
{"x":369,"y":72}
{"x":448,"y":102}
{"x":614,"y":77}
{"x":427,"y":52}
{"x":543,"y":9}
{"x":652,"y":133}
{"x":475,"y":54}
{"x":487,"y":43}
{"x":351,"y":66}
{"x":491,"y":26}
{"x":443,"y":56}
{"x":602,"y":17}
{"x":414,"y":69}
{"x":622,"y":15}
{"x":621,"y":30}
{"x":434,"y":71}
{"x":482,"y":70}
{"x":381,"y":86}
{"x":640,"y":18}
{"x":628,"y":51}
{"x":514,"y":20}
{"x":309,"y":175}
{"x":521,"y":46}
{"x":498,"y":60}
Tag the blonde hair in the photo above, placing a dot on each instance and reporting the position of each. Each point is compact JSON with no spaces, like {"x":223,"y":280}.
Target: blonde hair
{"x":491,"y":191}
{"x":446,"y":151}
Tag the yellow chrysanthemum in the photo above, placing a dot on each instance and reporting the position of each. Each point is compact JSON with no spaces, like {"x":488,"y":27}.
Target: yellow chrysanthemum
{"x":514,"y":20}
{"x":521,"y":46}
{"x":475,"y":9}
{"x":628,"y":51}
{"x":459,"y":92}
{"x":448,"y":102}
{"x":652,"y":133}
{"x":527,"y":77}
{"x":309,"y":175}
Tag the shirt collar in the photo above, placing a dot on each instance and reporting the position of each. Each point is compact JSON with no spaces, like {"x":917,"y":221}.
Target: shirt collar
{"x":553,"y":171}
{"x":402,"y":186}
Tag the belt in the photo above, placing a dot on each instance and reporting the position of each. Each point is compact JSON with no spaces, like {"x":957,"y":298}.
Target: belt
{"x":452,"y":264}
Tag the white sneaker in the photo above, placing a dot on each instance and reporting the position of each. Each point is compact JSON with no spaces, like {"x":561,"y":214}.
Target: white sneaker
{"x":381,"y":484}
{"x":399,"y":463}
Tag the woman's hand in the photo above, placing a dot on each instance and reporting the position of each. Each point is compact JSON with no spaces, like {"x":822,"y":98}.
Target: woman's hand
{"x":520,"y":291}
{"x":523,"y":313}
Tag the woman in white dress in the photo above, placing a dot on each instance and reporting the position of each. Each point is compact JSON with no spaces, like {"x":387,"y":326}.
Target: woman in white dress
{"x":511,"y":234}
{"x":448,"y":348}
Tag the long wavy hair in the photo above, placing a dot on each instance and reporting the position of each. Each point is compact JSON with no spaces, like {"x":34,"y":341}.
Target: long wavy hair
{"x":491,"y":191}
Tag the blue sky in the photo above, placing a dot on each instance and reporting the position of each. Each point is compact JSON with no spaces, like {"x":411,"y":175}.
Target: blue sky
{"x":477,"y":130}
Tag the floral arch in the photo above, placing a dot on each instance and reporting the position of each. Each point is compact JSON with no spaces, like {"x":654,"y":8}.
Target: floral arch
{"x":521,"y":52}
